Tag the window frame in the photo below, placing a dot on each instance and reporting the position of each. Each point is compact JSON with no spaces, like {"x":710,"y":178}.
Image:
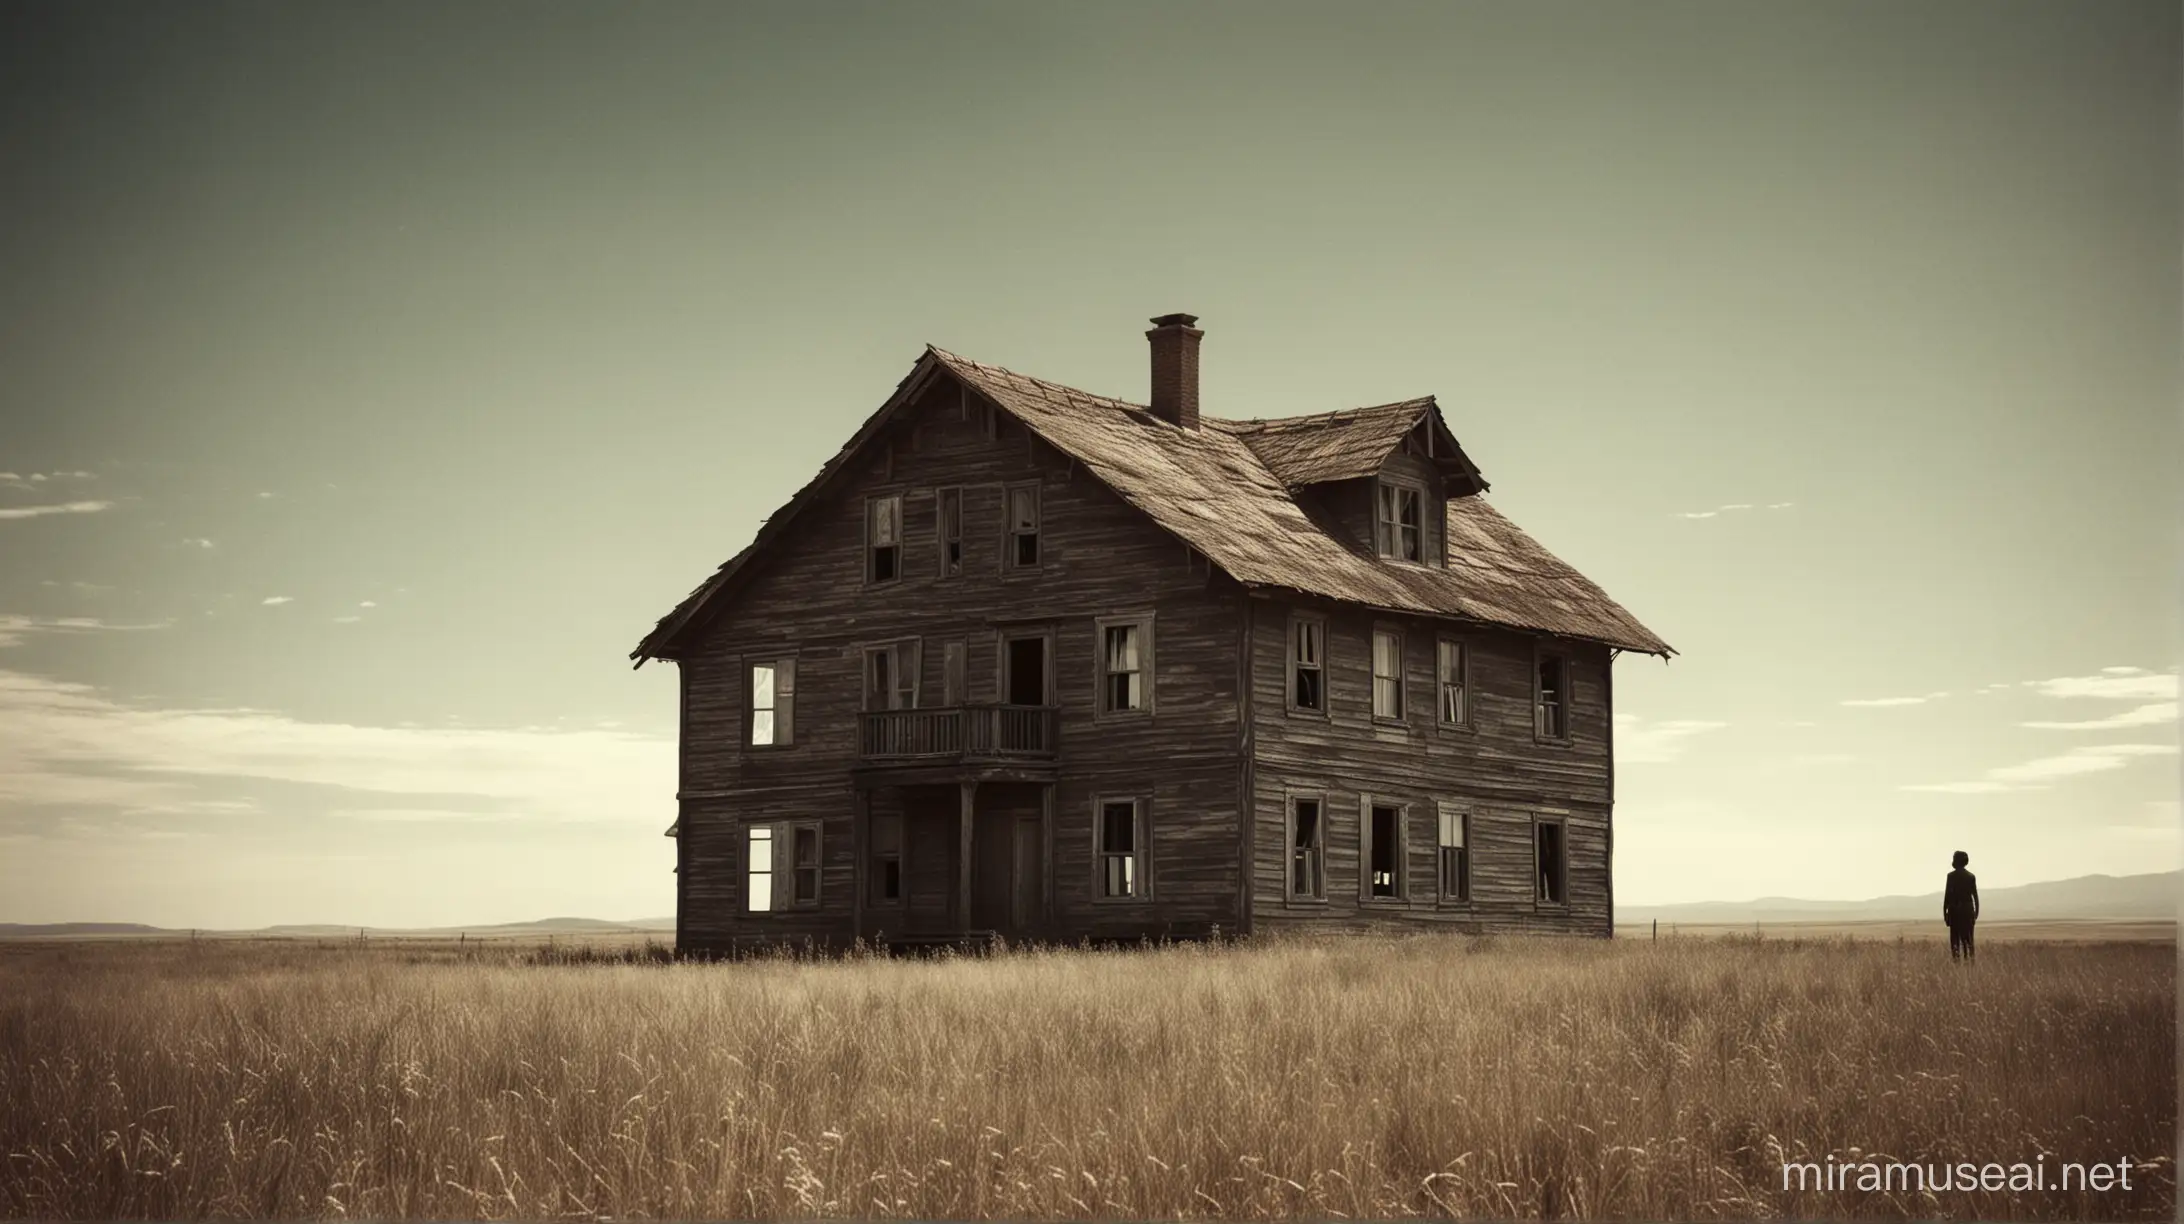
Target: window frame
{"x":1290,"y":895}
{"x":784,"y":725}
{"x":1366,"y":803}
{"x":942,"y":567}
{"x":1298,"y":621}
{"x":1009,"y":533}
{"x":1541,"y":653}
{"x":1469,"y":722}
{"x":1463,"y":813}
{"x":1388,"y":544}
{"x":1562,"y":867}
{"x":781,"y":866}
{"x":896,"y":648}
{"x":1401,"y":717}
{"x":1140,"y":848}
{"x":1143,"y":623}
{"x":871,"y":550}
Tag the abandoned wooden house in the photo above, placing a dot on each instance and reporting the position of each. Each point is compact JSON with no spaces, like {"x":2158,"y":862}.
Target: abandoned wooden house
{"x":1029,"y":662}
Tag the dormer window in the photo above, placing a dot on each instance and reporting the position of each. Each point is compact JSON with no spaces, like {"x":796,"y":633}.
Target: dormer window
{"x":1398,"y":523}
{"x":883,"y":538}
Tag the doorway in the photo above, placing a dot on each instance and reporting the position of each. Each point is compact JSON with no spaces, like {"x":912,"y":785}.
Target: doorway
{"x":1024,"y":670}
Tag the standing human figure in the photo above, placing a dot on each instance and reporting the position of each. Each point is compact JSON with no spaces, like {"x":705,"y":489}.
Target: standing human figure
{"x":1960,"y":907}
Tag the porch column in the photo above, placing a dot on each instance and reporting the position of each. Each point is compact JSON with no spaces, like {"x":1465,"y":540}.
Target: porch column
{"x":969,"y":789}
{"x":860,"y":834}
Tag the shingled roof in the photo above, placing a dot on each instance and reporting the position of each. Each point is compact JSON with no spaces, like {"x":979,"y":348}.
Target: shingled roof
{"x":1225,"y":490}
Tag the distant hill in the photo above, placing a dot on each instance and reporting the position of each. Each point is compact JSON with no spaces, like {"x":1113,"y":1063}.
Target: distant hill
{"x":2153,"y":896}
{"x":503,"y":930}
{"x":2141,"y":897}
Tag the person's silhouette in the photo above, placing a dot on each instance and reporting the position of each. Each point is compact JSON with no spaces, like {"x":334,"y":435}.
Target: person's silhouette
{"x":1960,"y":907}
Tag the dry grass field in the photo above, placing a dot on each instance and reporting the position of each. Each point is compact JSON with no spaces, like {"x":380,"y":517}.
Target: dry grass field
{"x":1416,"y":1077}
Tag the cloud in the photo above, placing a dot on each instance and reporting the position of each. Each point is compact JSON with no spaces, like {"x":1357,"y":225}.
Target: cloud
{"x":262,"y":495}
{"x":271,"y":600}
{"x":13,"y":629}
{"x":2036,"y":774}
{"x":74,"y":507}
{"x":1641,"y":743}
{"x":1874,"y":702}
{"x":2113,"y":683}
{"x":69,"y":745}
{"x":1731,"y":508}
{"x":198,"y":542}
{"x":36,"y":479}
{"x":2143,"y":716}
{"x":367,"y":604}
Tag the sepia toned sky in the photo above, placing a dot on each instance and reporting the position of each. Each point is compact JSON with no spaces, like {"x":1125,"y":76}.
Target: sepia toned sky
{"x":371,"y":377}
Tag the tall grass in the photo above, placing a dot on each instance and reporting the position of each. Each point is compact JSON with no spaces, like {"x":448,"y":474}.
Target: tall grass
{"x":1431,"y":1076}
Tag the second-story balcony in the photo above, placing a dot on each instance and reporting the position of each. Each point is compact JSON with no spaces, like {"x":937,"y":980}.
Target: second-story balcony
{"x":959,"y":733}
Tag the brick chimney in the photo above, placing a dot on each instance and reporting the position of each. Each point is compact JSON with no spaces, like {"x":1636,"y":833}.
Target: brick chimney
{"x":1175,"y":369}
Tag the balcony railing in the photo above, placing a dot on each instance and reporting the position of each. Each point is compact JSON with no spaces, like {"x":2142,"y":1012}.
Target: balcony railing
{"x":979,"y":732}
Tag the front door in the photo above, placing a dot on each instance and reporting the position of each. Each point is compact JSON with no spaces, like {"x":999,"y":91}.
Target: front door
{"x":1005,"y":874}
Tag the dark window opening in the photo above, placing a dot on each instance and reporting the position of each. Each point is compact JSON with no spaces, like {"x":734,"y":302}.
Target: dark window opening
{"x":1308,"y":666}
{"x":1027,"y":671}
{"x":1550,"y":863}
{"x":1306,"y":879}
{"x":1118,"y":849}
{"x":807,"y":864}
{"x":887,"y":858}
{"x":1387,"y":852}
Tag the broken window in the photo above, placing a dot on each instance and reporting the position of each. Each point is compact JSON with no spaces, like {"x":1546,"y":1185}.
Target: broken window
{"x":1119,"y":848}
{"x":758,"y":886}
{"x":1550,"y":862}
{"x":773,"y":702}
{"x":771,"y":850}
{"x":886,"y":877}
{"x":891,"y":676}
{"x":1384,"y":851}
{"x":1307,"y":665}
{"x":1024,"y":525}
{"x":1553,"y":697}
{"x":948,"y":516}
{"x":1387,"y":674}
{"x":1397,"y":523}
{"x":1125,"y":648}
{"x":1455,"y":708}
{"x":1455,"y":862}
{"x":883,"y":537}
{"x":1307,"y":858}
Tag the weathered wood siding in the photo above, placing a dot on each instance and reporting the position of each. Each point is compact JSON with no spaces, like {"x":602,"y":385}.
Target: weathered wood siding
{"x":809,"y":600}
{"x":1497,"y":768}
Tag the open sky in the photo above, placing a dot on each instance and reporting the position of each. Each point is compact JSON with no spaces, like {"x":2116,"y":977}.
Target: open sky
{"x":371,"y":377}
